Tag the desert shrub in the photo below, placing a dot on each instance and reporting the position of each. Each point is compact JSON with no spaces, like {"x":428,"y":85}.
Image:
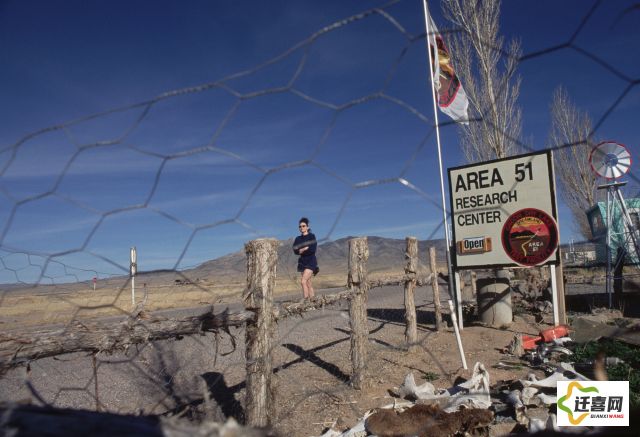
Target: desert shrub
{"x":627,"y":371}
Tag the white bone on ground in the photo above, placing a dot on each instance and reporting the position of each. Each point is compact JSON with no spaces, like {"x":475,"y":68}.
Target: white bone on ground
{"x":552,"y":380}
{"x":410,"y":388}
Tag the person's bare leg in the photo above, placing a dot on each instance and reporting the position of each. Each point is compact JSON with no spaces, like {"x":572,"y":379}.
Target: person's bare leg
{"x":311,"y":290}
{"x":303,"y":282}
{"x":306,"y":283}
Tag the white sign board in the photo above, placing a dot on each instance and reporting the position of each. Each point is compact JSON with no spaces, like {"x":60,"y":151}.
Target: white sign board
{"x":504,"y":212}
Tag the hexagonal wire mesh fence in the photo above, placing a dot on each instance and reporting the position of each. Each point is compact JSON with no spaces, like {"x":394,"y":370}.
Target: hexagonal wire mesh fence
{"x":137,"y":344}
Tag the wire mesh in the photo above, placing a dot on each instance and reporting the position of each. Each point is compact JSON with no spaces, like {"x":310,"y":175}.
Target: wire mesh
{"x":74,"y":224}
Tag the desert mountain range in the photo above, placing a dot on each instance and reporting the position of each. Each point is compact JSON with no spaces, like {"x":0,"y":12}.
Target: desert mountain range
{"x":386,"y":256}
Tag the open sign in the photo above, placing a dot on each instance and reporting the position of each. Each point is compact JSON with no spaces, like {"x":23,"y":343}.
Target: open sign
{"x":474,"y":245}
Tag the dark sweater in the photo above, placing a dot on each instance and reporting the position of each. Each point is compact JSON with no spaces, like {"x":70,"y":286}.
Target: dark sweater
{"x":307,"y":258}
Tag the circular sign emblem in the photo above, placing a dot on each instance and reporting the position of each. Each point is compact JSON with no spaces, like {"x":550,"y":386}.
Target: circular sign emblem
{"x":529,"y":236}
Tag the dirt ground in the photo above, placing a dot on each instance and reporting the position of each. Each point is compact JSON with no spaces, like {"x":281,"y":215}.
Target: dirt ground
{"x":204,"y":376}
{"x":314,"y":393}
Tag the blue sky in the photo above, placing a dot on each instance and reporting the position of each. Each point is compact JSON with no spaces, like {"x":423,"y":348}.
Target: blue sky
{"x":192,"y":175}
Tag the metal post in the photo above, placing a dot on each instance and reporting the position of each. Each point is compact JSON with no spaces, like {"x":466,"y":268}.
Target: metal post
{"x":133,"y":268}
{"x":554,"y":296}
{"x":458,"y":339}
{"x":452,"y":288}
{"x":608,"y":248}
{"x":633,"y":233}
{"x":459,"y":299}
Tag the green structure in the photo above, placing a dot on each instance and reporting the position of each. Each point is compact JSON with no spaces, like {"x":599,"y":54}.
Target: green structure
{"x":597,"y":217}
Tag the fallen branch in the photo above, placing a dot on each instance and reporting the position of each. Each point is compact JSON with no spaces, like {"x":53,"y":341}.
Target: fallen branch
{"x":287,"y":309}
{"x":106,"y":336}
{"x":399,"y":280}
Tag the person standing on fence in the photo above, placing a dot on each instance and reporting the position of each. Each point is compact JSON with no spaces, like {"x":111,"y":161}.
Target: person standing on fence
{"x":305,"y":245}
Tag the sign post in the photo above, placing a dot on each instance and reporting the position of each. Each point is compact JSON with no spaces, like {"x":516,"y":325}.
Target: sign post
{"x":133,"y":268}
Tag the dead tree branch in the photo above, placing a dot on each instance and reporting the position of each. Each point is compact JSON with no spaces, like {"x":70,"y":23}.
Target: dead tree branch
{"x":108,"y":337}
{"x":103,"y":336}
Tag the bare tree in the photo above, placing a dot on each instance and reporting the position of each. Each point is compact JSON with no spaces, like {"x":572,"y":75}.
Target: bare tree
{"x":571,"y":137}
{"x":488,"y":75}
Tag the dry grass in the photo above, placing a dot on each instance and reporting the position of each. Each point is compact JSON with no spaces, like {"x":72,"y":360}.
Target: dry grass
{"x":44,"y":305}
{"x":62,"y":304}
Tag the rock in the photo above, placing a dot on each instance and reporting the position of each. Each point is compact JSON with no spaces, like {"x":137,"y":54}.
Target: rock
{"x":515,"y":348}
{"x":501,"y":429}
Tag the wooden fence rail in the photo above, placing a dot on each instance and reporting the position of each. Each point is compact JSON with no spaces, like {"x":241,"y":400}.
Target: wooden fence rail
{"x":17,"y":348}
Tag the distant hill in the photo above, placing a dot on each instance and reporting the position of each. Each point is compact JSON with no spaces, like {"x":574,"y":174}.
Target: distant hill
{"x":386,"y":255}
{"x":217,"y":283}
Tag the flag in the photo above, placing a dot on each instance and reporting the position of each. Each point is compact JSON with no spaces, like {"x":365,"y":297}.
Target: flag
{"x":452,"y":100}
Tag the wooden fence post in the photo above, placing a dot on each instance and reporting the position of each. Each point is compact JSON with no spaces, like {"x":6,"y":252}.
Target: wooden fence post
{"x":411,"y":269}
{"x":357,"y":283}
{"x":434,"y":286}
{"x":262,"y":257}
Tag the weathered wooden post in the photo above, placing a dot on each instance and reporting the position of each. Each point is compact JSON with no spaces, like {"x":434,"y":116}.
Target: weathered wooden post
{"x":411,"y":269}
{"x":262,"y":257}
{"x":474,"y":278}
{"x":357,"y":283}
{"x":434,"y":286}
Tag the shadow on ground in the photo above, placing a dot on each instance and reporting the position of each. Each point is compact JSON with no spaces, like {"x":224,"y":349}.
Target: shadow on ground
{"x":311,"y":356}
{"x":223,"y":395}
{"x":584,"y":303}
{"x":425,"y":319}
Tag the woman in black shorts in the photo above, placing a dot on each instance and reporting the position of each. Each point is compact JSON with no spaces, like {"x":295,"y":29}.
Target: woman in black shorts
{"x":305,"y":245}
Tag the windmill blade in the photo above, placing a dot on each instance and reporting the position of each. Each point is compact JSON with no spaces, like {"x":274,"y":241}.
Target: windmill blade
{"x":610,"y":160}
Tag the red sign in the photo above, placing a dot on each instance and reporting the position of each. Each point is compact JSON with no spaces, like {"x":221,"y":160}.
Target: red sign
{"x":529,"y":236}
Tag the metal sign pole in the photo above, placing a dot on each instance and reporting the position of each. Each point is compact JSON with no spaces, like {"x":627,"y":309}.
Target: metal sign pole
{"x":452,"y":288}
{"x":459,"y":299}
{"x":554,"y":296}
{"x":608,"y":248}
{"x":457,"y":332}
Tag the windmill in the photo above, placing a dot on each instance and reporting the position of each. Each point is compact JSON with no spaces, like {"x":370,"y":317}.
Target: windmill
{"x":611,"y":161}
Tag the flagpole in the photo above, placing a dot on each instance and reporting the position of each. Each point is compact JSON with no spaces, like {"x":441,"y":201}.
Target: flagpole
{"x":452,"y":287}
